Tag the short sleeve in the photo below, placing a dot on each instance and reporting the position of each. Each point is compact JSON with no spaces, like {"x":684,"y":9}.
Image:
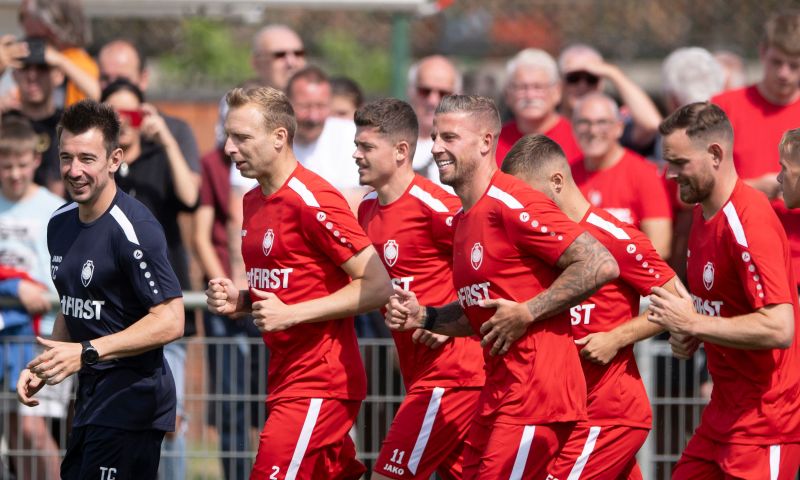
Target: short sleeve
{"x":640,"y":266}
{"x":143,"y":258}
{"x":539,"y":228}
{"x":332,"y":228}
{"x":442,"y":223}
{"x":758,"y":257}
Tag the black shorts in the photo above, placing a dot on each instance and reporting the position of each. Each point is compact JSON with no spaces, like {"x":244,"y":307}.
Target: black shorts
{"x":105,"y":453}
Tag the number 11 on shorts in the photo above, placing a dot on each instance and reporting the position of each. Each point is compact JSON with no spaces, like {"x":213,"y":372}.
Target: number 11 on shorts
{"x":397,"y":456}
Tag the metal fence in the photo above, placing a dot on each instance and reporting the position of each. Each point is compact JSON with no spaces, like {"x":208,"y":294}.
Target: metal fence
{"x":214,"y":411}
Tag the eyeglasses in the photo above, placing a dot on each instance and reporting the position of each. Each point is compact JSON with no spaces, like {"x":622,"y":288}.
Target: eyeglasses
{"x":535,"y":87}
{"x":579,"y":76}
{"x":277,"y":54}
{"x":584,"y":124}
{"x":426,"y":92}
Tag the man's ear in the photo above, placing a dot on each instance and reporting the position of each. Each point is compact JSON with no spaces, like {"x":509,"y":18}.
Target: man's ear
{"x":557,"y":182}
{"x":403,"y":151}
{"x":115,"y":160}
{"x":487,"y":142}
{"x":280,"y":138}
{"x":717,"y":153}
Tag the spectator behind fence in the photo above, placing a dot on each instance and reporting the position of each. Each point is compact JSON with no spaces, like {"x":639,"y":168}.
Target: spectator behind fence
{"x":35,"y":80}
{"x":235,"y":368}
{"x":429,"y":80}
{"x":346,"y":97}
{"x":25,"y":209}
{"x":65,"y":29}
{"x":155,"y":172}
{"x":121,"y":304}
{"x":615,"y":178}
{"x":323,"y":144}
{"x":278,"y":53}
{"x":583,"y":71}
{"x":761,"y":113}
{"x":310,"y":267}
{"x":533,"y":92}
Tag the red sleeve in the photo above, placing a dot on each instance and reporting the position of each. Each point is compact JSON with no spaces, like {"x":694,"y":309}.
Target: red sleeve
{"x":759,"y":261}
{"x":640,"y":266}
{"x":653,"y":199}
{"x":540,"y":228}
{"x":442,"y":223}
{"x":332,"y":228}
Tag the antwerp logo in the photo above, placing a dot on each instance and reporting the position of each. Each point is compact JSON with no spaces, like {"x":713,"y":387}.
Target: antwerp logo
{"x":390,"y":252}
{"x":269,"y":240}
{"x":86,"y":272}
{"x":708,"y":275}
{"x":476,"y":256}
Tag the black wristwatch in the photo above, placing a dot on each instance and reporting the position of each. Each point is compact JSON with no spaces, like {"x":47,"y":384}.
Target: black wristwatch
{"x":89,"y":355}
{"x":430,"y":318}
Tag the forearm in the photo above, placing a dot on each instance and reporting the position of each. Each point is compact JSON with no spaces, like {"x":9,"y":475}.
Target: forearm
{"x":60,"y":331}
{"x":85,"y":82}
{"x":450,"y":321}
{"x":185,"y":182}
{"x":155,"y":329}
{"x":635,"y":330}
{"x":753,"y":331}
{"x":359,"y":296}
{"x":643,"y":111}
{"x":659,"y":231}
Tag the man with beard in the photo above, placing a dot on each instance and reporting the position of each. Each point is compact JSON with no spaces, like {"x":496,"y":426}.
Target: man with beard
{"x":743,"y":306}
{"x":511,"y":244}
{"x":533,"y":93}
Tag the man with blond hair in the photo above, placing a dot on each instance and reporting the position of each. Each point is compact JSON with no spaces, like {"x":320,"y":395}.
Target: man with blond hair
{"x":789,"y":176}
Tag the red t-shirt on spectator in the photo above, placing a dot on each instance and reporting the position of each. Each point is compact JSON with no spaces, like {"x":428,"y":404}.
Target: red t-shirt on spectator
{"x":631,"y":190}
{"x":561,"y":133}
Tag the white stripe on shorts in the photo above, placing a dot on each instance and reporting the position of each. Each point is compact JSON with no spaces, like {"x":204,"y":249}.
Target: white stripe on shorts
{"x":305,"y":436}
{"x":588,"y":447}
{"x":522,"y":453}
{"x":425,"y":431}
{"x":774,"y":461}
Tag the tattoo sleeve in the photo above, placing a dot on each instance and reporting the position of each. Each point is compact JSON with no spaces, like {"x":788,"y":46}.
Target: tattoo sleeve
{"x":587,"y":266}
{"x":452,"y":321}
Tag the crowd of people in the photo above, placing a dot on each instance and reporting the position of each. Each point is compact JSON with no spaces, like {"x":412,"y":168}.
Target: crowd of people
{"x":506,"y":249}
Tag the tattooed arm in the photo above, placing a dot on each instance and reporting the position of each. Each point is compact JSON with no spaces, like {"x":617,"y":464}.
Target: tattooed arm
{"x":587,"y":265}
{"x":403,"y":312}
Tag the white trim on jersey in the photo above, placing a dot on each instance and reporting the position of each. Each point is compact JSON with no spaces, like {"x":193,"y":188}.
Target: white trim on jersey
{"x":305,"y":437}
{"x":504,"y":197}
{"x":306,"y":194}
{"x":65,"y":208}
{"x":609,"y":227}
{"x":522,"y":452}
{"x":126,"y":224}
{"x":774,"y":461}
{"x":583,"y":459}
{"x":370,"y":195}
{"x":735,"y":224}
{"x":425,"y":431}
{"x":428,"y":199}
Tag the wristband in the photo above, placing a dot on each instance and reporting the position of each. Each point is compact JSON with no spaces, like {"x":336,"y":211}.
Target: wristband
{"x":430,"y":318}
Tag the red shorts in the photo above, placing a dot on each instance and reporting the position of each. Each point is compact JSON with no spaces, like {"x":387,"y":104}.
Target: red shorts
{"x":600,"y":452}
{"x":307,"y":438}
{"x":704,"y":458}
{"x":512,"y":451}
{"x":428,"y":434}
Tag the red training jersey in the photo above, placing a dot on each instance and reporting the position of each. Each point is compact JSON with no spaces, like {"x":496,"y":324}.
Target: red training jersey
{"x":758,"y":126}
{"x":615,"y":392}
{"x":739,"y":262}
{"x":631,"y":190}
{"x":414,"y":238}
{"x":293,"y":243}
{"x":561,"y":133}
{"x":506,"y":246}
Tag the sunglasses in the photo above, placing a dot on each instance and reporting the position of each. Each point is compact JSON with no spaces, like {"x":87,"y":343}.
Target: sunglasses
{"x":576,"y":77}
{"x":283,"y":53}
{"x":426,"y":91}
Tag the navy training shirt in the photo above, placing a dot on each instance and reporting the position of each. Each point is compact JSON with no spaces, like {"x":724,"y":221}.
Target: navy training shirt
{"x":108,"y":274}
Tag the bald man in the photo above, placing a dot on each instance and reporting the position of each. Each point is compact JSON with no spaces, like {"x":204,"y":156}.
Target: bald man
{"x":430,"y":79}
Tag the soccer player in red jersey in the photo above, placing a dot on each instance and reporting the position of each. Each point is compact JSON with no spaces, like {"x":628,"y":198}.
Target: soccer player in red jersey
{"x":510,"y":242}
{"x":743,"y":307}
{"x":310,"y":267}
{"x":606,"y":325}
{"x":409,"y":220}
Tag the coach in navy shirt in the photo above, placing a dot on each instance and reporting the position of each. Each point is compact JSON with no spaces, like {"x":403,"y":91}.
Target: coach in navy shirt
{"x":120,"y":303}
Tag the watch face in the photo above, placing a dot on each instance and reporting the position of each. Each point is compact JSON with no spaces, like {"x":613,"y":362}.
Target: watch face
{"x":89,"y":356}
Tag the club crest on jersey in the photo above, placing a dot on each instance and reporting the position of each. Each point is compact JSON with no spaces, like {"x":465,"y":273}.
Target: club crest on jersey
{"x":390,"y":252}
{"x":708,"y":275}
{"x":86,"y":272}
{"x":269,"y":240}
{"x":476,"y":255}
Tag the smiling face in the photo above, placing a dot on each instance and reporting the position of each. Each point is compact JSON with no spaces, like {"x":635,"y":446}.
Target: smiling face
{"x":689,"y":163}
{"x":457,"y":143}
{"x":87,"y":169}
{"x":532,"y":94}
{"x":597,"y":128}
{"x":789,"y":178}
